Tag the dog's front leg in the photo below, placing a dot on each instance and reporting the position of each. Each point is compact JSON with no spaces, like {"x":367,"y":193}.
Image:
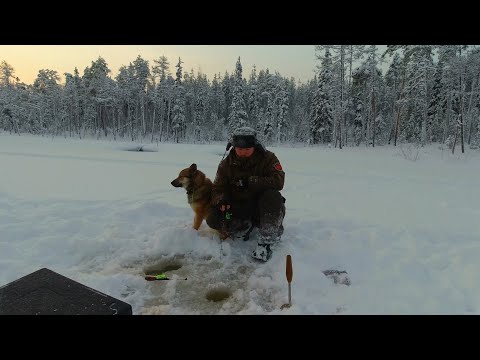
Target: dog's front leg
{"x":197,"y":221}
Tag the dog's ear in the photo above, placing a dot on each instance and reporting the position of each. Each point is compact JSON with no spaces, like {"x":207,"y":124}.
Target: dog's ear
{"x":193,"y":167}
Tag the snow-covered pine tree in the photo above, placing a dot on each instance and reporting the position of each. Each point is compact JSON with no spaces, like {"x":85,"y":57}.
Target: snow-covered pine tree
{"x":72,"y":103}
{"x":238,"y":116}
{"x":217,"y":104}
{"x":253,"y":98}
{"x":473,"y":71}
{"x":392,"y":92}
{"x":10,"y":111}
{"x":201,"y":108}
{"x":437,"y":106}
{"x":321,"y":118}
{"x":99,"y":96}
{"x":161,"y":98}
{"x":282,"y":102}
{"x":178,"y":118}
{"x":7,"y":74}
{"x":419,"y":70}
{"x":141,"y":73}
{"x":49,"y":95}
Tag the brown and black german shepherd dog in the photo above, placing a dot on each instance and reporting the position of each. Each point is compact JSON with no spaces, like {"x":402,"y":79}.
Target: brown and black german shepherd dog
{"x":199,"y":192}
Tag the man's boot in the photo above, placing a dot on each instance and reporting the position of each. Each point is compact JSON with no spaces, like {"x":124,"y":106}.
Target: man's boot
{"x":263,"y":250}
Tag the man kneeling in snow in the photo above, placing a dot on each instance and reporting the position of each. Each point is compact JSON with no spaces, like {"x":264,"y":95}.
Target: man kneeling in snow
{"x":246,"y":193}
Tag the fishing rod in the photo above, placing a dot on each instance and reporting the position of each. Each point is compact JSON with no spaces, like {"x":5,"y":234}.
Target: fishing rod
{"x":161,"y":276}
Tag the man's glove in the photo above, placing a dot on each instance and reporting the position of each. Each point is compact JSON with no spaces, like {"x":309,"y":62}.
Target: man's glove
{"x":224,"y":203}
{"x":242,"y":183}
{"x":253,"y":180}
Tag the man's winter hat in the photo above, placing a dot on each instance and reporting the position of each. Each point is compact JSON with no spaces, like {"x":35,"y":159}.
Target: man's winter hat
{"x":244,"y":137}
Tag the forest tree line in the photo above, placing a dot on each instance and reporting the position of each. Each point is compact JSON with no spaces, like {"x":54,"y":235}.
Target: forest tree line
{"x":428,"y":94}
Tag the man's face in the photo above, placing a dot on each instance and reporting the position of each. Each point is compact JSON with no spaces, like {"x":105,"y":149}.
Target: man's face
{"x":244,"y":152}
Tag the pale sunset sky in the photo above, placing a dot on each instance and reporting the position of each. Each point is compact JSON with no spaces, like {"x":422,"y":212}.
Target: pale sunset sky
{"x":296,"y":61}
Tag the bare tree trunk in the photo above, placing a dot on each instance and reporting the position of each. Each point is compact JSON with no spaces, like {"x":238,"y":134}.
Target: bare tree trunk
{"x":104,"y":120}
{"x":114,"y":122}
{"x":77,"y":117}
{"x":392,"y":126}
{"x":14,"y":125}
{"x":455,"y":140}
{"x":399,"y":110}
{"x":162,"y":119}
{"x":144,"y":115}
{"x":70,"y":122}
{"x":342,"y":96}
{"x":469,"y":114}
{"x":129,"y":114}
{"x":168,"y":117}
{"x":374,"y":110}
{"x":447,"y":117}
{"x":336,"y":120}
{"x":153,"y":120}
{"x":350,"y":88}
{"x":339,"y":131}
{"x":365,"y":117}
{"x":461,"y":132}
{"x":424,"y":115}
{"x":470,"y":130}
{"x":16,"y":128}
{"x":462,"y":142}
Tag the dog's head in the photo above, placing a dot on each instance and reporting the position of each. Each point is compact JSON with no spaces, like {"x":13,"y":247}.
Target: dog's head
{"x":185,"y":177}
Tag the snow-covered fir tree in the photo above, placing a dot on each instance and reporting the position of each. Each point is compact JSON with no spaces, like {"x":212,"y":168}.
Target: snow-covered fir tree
{"x":238,"y":116}
{"x":178,"y":120}
{"x":321,"y":118}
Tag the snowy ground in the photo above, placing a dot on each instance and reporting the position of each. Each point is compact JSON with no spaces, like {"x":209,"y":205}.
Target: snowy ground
{"x":406,"y":232}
